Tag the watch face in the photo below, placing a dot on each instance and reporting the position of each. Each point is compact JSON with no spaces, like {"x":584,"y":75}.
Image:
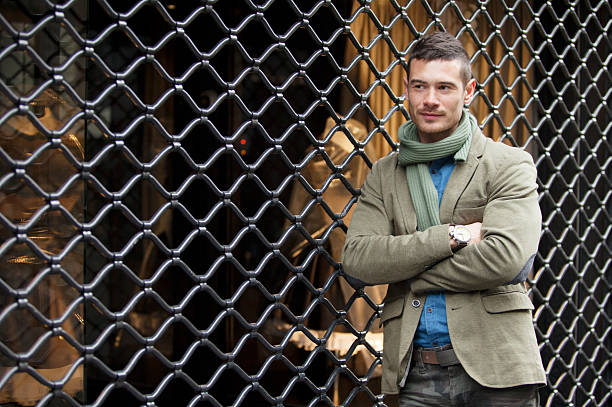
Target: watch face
{"x":462,"y":234}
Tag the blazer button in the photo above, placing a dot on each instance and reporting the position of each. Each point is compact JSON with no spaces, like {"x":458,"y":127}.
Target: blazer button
{"x":416,"y":303}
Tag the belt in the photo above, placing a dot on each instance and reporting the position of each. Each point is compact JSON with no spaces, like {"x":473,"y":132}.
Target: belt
{"x":442,"y":357}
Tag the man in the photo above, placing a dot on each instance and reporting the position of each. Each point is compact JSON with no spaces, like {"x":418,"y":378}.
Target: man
{"x":451,"y":222}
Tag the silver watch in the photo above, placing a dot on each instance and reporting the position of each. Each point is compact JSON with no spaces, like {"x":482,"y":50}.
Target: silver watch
{"x":460,"y":234}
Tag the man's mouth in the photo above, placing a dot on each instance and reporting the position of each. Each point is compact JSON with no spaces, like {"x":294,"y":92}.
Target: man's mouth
{"x":430,"y":116}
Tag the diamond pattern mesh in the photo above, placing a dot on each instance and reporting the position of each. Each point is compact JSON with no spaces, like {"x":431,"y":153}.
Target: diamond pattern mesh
{"x":177,"y":179}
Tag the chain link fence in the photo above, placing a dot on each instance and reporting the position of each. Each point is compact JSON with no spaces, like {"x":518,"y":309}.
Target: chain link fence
{"x":177,"y":178}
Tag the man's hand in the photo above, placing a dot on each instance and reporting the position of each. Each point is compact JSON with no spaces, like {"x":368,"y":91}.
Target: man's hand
{"x":474,"y":229}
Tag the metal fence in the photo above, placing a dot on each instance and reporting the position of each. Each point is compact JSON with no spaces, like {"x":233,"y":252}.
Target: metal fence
{"x":177,"y":178}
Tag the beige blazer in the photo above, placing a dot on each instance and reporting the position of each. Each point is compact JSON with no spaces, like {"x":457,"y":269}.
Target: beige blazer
{"x":489,"y":320}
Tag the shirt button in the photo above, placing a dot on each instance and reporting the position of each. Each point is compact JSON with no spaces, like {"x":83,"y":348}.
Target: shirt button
{"x":429,"y":310}
{"x":416,"y":303}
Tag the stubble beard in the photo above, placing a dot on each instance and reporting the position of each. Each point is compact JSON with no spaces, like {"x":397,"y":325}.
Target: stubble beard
{"x":427,"y":137}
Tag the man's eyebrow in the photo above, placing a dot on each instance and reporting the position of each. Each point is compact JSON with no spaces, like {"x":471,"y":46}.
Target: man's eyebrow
{"x":420,"y":81}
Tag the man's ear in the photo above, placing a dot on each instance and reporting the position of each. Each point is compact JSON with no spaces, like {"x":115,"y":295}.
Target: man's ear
{"x":470,"y":89}
{"x":405,"y":86}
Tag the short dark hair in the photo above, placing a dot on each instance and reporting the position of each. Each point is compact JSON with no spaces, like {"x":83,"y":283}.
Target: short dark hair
{"x":441,"y":45}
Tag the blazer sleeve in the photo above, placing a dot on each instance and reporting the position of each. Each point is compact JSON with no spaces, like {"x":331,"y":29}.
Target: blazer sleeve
{"x":371,"y":252}
{"x":510,"y":235}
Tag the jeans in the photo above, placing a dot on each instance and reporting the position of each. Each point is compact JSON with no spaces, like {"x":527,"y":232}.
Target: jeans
{"x":433,"y":385}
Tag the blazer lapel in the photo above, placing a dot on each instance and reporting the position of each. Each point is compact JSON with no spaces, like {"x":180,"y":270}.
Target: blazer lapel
{"x":461,"y":176}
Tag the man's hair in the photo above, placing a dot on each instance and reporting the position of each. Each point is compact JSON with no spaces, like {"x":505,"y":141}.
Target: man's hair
{"x":441,"y":45}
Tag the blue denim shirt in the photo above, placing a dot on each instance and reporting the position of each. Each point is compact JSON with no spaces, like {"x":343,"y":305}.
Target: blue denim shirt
{"x":432,"y":330}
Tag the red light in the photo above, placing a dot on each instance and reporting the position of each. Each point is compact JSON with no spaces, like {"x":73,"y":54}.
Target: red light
{"x":242,"y":141}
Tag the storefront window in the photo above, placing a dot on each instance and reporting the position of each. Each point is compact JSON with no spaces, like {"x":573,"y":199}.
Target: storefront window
{"x":177,"y":178}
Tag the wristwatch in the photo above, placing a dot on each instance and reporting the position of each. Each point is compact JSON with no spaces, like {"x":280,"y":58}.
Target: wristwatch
{"x":460,"y":234}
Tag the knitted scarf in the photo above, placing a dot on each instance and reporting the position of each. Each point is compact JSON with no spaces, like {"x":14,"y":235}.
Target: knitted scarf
{"x":416,"y":157}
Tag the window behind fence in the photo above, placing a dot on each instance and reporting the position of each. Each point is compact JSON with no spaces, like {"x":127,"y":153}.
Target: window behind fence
{"x":177,"y":179}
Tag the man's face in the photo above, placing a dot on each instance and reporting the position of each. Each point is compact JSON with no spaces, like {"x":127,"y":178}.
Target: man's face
{"x":436,"y":94}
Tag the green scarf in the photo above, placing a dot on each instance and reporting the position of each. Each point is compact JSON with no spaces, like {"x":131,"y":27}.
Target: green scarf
{"x":416,"y":157}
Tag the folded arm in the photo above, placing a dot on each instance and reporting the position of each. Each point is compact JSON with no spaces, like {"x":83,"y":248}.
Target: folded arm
{"x":510,"y":234}
{"x":373,"y":254}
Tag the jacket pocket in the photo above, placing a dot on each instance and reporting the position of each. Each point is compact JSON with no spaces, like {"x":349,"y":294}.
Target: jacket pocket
{"x":506,"y":302}
{"x":507,"y":288}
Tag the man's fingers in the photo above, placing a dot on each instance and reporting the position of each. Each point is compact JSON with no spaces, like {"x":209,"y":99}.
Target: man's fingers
{"x":475,"y":231}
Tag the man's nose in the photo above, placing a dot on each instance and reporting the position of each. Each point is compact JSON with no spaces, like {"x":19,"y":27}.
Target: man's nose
{"x":431,"y":98}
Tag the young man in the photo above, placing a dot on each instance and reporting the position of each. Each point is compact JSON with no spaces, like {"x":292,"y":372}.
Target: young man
{"x":451,"y":222}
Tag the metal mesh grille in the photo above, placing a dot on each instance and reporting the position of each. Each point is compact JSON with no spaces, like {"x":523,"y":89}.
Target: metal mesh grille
{"x":177,"y":178}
